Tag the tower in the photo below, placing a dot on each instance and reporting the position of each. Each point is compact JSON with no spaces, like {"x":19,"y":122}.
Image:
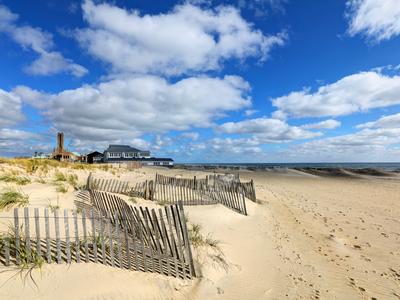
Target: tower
{"x":60,"y":142}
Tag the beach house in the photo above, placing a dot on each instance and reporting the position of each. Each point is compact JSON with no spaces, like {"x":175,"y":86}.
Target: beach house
{"x":127,"y":154}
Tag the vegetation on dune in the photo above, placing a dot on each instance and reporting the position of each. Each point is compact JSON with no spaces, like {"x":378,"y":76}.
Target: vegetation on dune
{"x":132,"y":199}
{"x":11,"y":197}
{"x":61,"y":188}
{"x":29,"y":260}
{"x":209,"y":244}
{"x":41,"y":180}
{"x":53,"y":207}
{"x":20,"y":180}
{"x":59,"y":177}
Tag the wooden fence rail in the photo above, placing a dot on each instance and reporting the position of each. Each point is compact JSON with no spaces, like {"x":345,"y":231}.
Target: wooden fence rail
{"x":199,"y":192}
{"x":142,"y":189}
{"x":217,"y":188}
{"x":104,"y":231}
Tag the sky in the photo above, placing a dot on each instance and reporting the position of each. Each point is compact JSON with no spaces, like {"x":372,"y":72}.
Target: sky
{"x":203,"y":80}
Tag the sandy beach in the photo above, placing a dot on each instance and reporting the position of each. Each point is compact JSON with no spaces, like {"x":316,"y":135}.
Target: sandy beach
{"x":308,"y":237}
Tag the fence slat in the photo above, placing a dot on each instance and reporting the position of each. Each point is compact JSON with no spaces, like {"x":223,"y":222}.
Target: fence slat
{"x":77,"y":242}
{"x":110,"y":237}
{"x":6,"y":247}
{"x":17,"y":237}
{"x":186,"y":239}
{"x":67,"y":238}
{"x":27,"y":235}
{"x":94,"y":240}
{"x":37,"y":227}
{"x":174,"y":254}
{"x":47,"y":228}
{"x":127,"y":248}
{"x":85,"y":238}
{"x":57,"y":229}
{"x":119,"y":253}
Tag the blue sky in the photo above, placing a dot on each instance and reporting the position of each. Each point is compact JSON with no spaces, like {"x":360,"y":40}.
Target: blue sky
{"x":203,"y":81}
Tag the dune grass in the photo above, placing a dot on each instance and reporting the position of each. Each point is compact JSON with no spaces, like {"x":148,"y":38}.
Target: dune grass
{"x":59,"y":177}
{"x":20,"y":180}
{"x":61,"y":188}
{"x":11,"y":197}
{"x":28,"y":261}
{"x":211,"y":245}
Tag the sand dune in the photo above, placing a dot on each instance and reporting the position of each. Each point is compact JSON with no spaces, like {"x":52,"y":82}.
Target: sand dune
{"x":309,"y":237}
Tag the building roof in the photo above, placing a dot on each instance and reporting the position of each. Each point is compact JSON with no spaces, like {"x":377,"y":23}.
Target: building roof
{"x":95,"y":153}
{"x":121,"y":148}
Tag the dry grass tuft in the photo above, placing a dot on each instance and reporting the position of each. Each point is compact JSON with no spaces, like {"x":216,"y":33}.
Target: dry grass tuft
{"x":10,"y":197}
{"x":20,"y":180}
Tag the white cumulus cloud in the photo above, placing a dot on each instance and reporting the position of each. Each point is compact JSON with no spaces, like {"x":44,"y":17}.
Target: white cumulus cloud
{"x":376,"y":19}
{"x":327,"y":124}
{"x":49,"y":61}
{"x":187,"y":39}
{"x":124,"y":109}
{"x":10,"y":108}
{"x":354,"y":93}
{"x":266,"y":130}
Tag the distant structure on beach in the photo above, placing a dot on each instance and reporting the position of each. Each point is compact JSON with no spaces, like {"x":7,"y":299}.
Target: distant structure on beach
{"x":128,"y":154}
{"x":40,"y":155}
{"x":123,"y":152}
{"x":62,"y":154}
{"x":121,"y":155}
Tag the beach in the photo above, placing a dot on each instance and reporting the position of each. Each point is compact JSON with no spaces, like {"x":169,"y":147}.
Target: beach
{"x":309,"y":236}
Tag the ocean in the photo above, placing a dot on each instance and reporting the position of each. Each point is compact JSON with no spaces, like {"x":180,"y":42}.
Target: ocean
{"x":260,"y":166}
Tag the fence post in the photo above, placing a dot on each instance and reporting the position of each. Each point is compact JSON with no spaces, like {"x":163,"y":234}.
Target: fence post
{"x":47,"y":228}
{"x":67,"y":239}
{"x":88,"y":181}
{"x":27,"y":235}
{"x":57,"y":229}
{"x":17,"y":238}
{"x":186,"y":238}
{"x":37,"y":227}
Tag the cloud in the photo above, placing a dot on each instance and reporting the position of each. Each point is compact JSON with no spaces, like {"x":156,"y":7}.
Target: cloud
{"x":266,"y":130}
{"x":19,"y":142}
{"x":327,"y":124}
{"x":49,"y":61}
{"x":250,"y":112}
{"x":126,"y":108}
{"x":190,"y":135}
{"x":377,"y":20}
{"x":391,"y":121}
{"x":262,"y":7}
{"x":185,"y":40}
{"x":10,"y":109}
{"x":354,"y":93}
{"x":229,"y":146}
{"x":376,"y":141}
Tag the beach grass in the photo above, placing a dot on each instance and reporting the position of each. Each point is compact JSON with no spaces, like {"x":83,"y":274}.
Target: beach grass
{"x":11,"y":197}
{"x":28,"y":260}
{"x":10,"y":178}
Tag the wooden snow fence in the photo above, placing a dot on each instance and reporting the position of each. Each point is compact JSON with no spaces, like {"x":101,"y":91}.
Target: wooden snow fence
{"x":142,"y":189}
{"x":107,"y":185}
{"x":107,"y":231}
{"x":246,"y":187}
{"x":199,"y":192}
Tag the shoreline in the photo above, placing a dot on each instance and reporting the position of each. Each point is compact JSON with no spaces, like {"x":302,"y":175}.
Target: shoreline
{"x":318,"y":171}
